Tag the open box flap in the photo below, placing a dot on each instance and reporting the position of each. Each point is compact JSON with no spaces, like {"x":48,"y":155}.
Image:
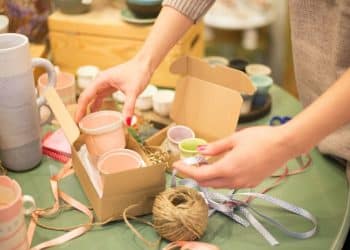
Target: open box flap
{"x":63,"y":117}
{"x":212,"y":111}
{"x":224,"y":76}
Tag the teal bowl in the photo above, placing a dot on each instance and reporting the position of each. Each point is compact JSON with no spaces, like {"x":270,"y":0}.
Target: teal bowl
{"x":262,"y":83}
{"x":72,"y":7}
{"x":145,"y":8}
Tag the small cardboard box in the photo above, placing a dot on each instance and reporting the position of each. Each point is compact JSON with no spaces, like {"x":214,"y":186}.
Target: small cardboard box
{"x":207,"y":99}
{"x":120,"y":190}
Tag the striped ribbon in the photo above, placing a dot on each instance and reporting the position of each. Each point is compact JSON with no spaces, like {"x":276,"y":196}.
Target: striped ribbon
{"x":243,"y":212}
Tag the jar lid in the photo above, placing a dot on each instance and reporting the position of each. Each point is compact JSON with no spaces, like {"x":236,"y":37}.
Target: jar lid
{"x":101,"y":122}
{"x":258,"y":69}
{"x":119,"y":160}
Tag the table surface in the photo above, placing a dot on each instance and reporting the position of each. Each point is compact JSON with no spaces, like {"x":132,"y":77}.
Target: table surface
{"x":322,"y":190}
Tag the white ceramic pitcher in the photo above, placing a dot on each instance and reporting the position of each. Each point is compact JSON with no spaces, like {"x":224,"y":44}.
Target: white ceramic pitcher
{"x":20,"y":144}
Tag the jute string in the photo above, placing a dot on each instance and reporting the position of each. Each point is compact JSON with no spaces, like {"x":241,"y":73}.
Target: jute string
{"x":180,"y":214}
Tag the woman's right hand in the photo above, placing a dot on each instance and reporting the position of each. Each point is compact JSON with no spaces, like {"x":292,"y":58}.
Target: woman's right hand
{"x":131,"y":78}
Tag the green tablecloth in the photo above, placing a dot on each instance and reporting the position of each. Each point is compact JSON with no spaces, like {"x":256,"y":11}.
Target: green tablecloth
{"x":322,"y":190}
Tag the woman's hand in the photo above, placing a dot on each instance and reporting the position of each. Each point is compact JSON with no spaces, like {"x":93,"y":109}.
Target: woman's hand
{"x":131,"y":78}
{"x":251,"y":155}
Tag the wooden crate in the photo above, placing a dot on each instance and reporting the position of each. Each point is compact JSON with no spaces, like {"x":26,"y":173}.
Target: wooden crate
{"x":103,"y":39}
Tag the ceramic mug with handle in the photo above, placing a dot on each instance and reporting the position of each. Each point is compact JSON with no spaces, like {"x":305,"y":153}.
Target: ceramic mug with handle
{"x":20,"y":145}
{"x":13,"y":207}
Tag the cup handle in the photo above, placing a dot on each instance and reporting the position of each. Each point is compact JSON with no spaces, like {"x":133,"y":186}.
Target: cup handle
{"x":28,"y":204}
{"x":40,"y":62}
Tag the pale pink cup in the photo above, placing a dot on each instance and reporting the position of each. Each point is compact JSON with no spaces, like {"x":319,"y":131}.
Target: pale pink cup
{"x":118,"y":161}
{"x":175,"y":135}
{"x":13,"y":233}
{"x":103,"y":132}
{"x":65,"y":86}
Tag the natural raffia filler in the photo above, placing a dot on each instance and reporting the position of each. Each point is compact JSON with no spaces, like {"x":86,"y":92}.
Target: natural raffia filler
{"x":180,"y":213}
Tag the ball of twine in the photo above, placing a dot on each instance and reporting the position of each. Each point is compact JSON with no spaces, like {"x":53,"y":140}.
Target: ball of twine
{"x":180,"y":213}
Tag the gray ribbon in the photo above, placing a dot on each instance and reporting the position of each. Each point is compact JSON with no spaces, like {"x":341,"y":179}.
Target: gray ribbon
{"x":242,"y":212}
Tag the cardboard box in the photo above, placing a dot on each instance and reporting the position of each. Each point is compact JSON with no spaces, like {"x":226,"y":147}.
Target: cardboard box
{"x":208,"y":99}
{"x":102,"y":38}
{"x":120,"y":190}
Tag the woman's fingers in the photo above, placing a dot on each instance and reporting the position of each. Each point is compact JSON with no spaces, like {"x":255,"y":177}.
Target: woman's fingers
{"x":217,"y":147}
{"x":129,"y":107}
{"x":202,"y":173}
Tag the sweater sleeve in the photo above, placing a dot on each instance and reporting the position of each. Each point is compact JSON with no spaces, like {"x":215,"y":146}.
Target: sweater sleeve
{"x":193,"y":9}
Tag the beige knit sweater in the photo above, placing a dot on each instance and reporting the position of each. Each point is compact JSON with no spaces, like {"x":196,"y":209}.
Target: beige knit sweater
{"x":321,"y":51}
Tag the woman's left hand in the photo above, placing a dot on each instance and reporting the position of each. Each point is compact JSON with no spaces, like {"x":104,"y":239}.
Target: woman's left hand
{"x":251,"y":155}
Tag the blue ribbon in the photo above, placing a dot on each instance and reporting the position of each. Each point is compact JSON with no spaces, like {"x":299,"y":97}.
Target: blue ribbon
{"x":242,"y":212}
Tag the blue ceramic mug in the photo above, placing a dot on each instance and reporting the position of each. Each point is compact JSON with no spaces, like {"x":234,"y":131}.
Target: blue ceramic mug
{"x":262,"y":84}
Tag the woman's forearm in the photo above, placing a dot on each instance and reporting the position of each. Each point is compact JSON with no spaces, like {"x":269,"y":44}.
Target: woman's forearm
{"x":328,"y":113}
{"x":169,"y":27}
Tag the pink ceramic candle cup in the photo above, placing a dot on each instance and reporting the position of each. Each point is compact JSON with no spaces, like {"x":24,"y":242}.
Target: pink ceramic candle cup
{"x":65,"y":86}
{"x":119,"y":160}
{"x":103,"y":132}
{"x":175,"y":135}
{"x":13,"y":233}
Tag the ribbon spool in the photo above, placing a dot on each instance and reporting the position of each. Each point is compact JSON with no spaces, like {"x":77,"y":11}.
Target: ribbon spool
{"x":180,"y":214}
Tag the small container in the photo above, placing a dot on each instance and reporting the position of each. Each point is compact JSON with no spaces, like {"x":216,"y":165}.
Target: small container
{"x":217,"y":60}
{"x":238,"y":64}
{"x":145,"y":8}
{"x":86,"y":75}
{"x":4,"y":24}
{"x":258,"y":70}
{"x":119,"y":160}
{"x":162,"y":102}
{"x":65,"y":86}
{"x":13,"y":207}
{"x":177,"y":134}
{"x":262,"y":84}
{"x":74,"y":6}
{"x":188,"y":147}
{"x":103,"y":132}
{"x":144,"y":100}
{"x":247,"y":104}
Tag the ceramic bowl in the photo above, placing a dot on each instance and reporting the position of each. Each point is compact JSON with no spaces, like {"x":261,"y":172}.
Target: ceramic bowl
{"x":145,"y":8}
{"x":119,"y":160}
{"x":258,"y":70}
{"x":86,"y":75}
{"x":119,"y":96}
{"x":74,"y":6}
{"x":217,"y":60}
{"x":188,"y":147}
{"x":143,"y":101}
{"x":162,"y":102}
{"x":4,"y":24}
{"x":65,"y":86}
{"x":103,"y":132}
{"x":262,"y":84}
{"x":239,"y":64}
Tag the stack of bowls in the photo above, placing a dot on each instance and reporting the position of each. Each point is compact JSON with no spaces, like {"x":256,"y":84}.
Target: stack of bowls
{"x":144,"y":100}
{"x":74,"y":6}
{"x":144,"y":8}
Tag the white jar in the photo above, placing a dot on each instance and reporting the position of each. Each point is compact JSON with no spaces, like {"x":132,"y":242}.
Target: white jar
{"x":86,"y":75}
